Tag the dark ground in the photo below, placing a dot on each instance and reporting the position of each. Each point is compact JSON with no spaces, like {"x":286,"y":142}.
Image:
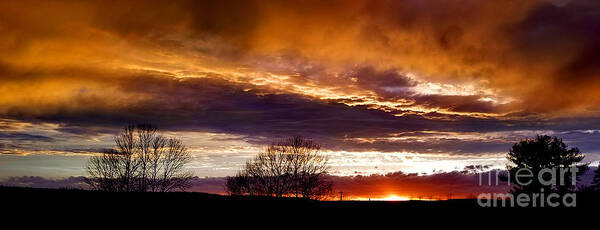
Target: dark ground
{"x":80,"y":203}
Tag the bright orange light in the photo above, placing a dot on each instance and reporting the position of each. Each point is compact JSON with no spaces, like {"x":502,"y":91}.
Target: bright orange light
{"x":394,"y":198}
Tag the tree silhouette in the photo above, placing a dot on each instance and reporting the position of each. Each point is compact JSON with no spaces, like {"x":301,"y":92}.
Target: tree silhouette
{"x":290,"y":167}
{"x":544,"y":152}
{"x":142,"y":160}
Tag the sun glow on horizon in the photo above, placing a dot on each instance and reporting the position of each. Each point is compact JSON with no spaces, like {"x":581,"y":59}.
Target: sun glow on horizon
{"x":393,"y":198}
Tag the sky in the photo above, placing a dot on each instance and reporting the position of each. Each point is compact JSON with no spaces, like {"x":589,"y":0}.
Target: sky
{"x":407,"y":86}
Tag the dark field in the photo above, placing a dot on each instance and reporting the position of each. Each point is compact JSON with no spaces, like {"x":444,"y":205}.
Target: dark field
{"x":85,"y":203}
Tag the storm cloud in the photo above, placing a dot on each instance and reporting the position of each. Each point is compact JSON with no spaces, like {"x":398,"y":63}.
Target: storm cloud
{"x":457,"y":77}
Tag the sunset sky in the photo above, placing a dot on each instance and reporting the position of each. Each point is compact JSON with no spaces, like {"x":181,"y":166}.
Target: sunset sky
{"x":414,"y":86}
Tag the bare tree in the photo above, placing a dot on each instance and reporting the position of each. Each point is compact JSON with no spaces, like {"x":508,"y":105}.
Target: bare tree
{"x":128,"y":163}
{"x":142,"y":160}
{"x":290,"y":167}
{"x":155,"y":160}
{"x":172,"y":164}
{"x":305,"y":163}
{"x":268,"y":172}
{"x":146,"y":136}
{"x":104,"y":171}
{"x":238,"y":185}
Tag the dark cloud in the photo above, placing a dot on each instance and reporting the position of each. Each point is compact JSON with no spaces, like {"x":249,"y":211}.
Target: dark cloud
{"x":440,"y":185}
{"x":41,"y":182}
{"x":565,"y":40}
{"x":384,"y":82}
{"x":458,"y":103}
{"x":437,"y":186}
{"x":208,"y":184}
{"x":16,"y":136}
{"x":375,"y":186}
{"x":463,"y":184}
{"x":221,"y":106}
{"x":218,"y":105}
{"x":93,"y":67}
{"x":476,"y":168}
{"x":8,"y":148}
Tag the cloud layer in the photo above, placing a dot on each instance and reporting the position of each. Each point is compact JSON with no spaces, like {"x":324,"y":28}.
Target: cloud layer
{"x":458,"y":77}
{"x":456,"y":184}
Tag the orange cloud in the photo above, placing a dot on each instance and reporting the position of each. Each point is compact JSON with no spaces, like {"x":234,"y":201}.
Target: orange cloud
{"x":365,"y":69}
{"x":499,"y":49}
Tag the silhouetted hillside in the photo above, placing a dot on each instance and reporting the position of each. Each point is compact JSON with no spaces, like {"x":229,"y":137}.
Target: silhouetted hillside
{"x":70,"y":202}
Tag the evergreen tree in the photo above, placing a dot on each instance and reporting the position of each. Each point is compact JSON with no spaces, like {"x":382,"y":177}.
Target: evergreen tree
{"x":544,"y":152}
